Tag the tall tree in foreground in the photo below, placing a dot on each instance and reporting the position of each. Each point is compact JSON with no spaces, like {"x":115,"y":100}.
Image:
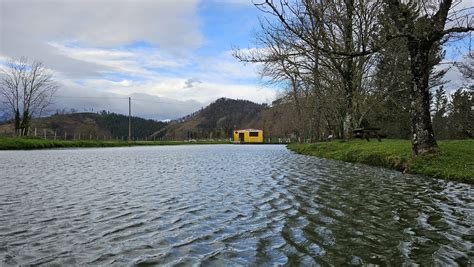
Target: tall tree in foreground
{"x":25,"y":90}
{"x":422,"y":26}
{"x":347,"y":32}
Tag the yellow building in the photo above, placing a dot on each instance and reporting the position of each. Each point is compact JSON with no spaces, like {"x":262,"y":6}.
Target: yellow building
{"x":248,"y":136}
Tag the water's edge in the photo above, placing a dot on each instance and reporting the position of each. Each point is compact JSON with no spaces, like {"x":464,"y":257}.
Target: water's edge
{"x":400,"y":167}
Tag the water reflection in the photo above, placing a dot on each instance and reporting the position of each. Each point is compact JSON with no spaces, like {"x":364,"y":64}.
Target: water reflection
{"x":224,"y":205}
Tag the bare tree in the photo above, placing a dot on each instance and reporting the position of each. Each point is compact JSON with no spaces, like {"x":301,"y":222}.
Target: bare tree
{"x":323,"y":41}
{"x":26,"y":90}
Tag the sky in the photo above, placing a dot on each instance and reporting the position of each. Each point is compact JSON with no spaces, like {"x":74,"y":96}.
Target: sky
{"x":171,"y":56}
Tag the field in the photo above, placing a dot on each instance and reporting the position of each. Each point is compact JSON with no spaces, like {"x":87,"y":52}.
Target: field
{"x":454,"y":162}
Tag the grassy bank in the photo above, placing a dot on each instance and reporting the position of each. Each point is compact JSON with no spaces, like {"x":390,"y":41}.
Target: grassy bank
{"x":455,"y":162}
{"x":18,"y":143}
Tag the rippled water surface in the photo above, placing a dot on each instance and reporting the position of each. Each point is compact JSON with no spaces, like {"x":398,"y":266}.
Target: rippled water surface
{"x":224,"y":205}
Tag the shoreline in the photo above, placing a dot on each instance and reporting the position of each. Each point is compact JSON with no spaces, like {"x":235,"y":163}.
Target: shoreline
{"x":454,"y":162}
{"x":35,"y":143}
{"x":29,"y":143}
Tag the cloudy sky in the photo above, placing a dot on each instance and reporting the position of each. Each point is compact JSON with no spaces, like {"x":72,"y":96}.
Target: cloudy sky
{"x":171,"y":56}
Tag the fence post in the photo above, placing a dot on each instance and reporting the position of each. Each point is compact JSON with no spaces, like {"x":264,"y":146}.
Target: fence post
{"x":44,"y":131}
{"x":65,"y":136}
{"x":90,"y":136}
{"x":54,"y":134}
{"x":79,"y":136}
{"x":35,"y":132}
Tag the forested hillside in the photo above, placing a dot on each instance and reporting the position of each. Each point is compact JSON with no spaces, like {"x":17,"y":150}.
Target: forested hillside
{"x":216,"y":120}
{"x":111,"y":125}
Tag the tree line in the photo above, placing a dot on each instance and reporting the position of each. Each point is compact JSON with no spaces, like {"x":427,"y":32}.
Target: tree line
{"x":348,"y":63}
{"x":117,"y":124}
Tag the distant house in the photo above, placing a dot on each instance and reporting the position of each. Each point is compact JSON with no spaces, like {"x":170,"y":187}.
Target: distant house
{"x":248,"y":136}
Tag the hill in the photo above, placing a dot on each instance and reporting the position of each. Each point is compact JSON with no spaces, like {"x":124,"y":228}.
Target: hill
{"x":92,"y":124}
{"x":216,"y":120}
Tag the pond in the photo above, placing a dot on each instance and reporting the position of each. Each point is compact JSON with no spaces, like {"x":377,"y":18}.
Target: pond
{"x":224,"y":205}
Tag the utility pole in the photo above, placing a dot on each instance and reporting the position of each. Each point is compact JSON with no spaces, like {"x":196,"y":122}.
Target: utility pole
{"x":129,"y":118}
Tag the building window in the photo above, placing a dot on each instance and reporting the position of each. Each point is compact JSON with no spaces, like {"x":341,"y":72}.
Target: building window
{"x":253,"y":134}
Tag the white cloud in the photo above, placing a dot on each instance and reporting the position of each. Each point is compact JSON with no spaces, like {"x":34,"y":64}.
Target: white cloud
{"x":172,"y":24}
{"x":174,"y":88}
{"x":162,"y":98}
{"x":85,"y":98}
{"x":103,"y":51}
{"x":133,"y":61}
{"x":28,"y":28}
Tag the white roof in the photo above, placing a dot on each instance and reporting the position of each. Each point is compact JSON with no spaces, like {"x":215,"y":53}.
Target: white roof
{"x":250,"y":130}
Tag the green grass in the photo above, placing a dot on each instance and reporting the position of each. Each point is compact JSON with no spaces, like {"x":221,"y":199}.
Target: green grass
{"x":454,"y":162}
{"x":26,"y":143}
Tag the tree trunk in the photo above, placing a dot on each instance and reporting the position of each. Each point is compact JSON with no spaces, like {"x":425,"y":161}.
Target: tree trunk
{"x":423,"y":141}
{"x":17,"y":122}
{"x":349,"y":118}
{"x":301,"y":124}
{"x":25,"y":123}
{"x":349,"y":115}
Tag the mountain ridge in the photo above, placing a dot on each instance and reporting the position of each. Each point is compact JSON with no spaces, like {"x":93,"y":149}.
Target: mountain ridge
{"x":217,"y":120}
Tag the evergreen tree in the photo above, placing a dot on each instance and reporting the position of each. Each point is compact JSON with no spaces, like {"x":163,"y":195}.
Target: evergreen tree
{"x":461,"y":119}
{"x":440,"y":108}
